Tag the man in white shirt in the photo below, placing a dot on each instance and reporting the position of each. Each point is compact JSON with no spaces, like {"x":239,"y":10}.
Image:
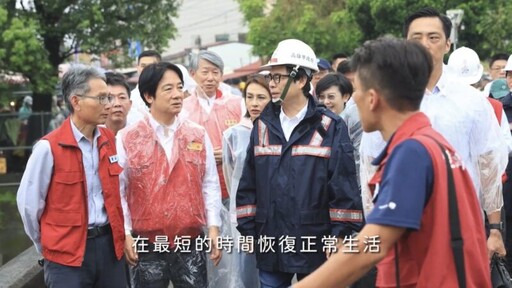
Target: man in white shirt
{"x":461,"y":115}
{"x":139,"y":108}
{"x":169,"y":188}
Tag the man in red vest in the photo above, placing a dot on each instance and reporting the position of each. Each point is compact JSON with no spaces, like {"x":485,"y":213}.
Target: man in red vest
{"x":210,"y":107}
{"x":69,"y":195}
{"x":170,"y":187}
{"x":408,"y":232}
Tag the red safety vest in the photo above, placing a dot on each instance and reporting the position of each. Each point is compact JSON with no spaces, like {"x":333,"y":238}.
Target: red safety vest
{"x":64,"y":221}
{"x":226,"y":112}
{"x":425,"y":256}
{"x":165,"y":198}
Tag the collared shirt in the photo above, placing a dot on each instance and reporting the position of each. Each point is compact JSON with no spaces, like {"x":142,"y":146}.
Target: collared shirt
{"x":211,"y":186}
{"x":466,"y":119}
{"x":36,"y":179}
{"x":207,"y":103}
{"x":288,"y":124}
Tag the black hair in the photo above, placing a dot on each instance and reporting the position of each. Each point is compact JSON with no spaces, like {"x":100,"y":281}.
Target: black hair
{"x":117,"y":79}
{"x":149,"y":53}
{"x":334,"y":79}
{"x":398,"y":69}
{"x":426,"y":13}
{"x":339,"y":55}
{"x":496,"y":57}
{"x":301,"y":73}
{"x":345,"y":67}
{"x":151,"y":77}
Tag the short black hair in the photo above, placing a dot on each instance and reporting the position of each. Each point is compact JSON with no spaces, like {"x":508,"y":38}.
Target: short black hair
{"x":150,"y":53}
{"x":496,"y":57}
{"x":398,"y":69}
{"x":334,"y":79}
{"x":426,"y":13}
{"x":300,"y":74}
{"x":339,"y":55}
{"x":117,"y":79}
{"x":345,"y":67}
{"x":151,"y":77}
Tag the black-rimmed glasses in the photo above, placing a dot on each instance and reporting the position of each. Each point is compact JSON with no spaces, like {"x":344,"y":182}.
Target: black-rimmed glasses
{"x":275,"y":77}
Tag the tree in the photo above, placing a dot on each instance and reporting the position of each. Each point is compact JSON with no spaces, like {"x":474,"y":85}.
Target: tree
{"x":323,"y":24}
{"x":486,"y":24}
{"x":332,"y":26}
{"x":38,"y":35}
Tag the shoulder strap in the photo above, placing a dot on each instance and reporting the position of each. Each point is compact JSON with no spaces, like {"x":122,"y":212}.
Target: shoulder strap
{"x":457,"y":242}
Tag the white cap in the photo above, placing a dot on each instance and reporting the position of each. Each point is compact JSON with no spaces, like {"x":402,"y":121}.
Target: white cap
{"x":293,"y":52}
{"x":466,"y":64}
{"x":508,"y":67}
{"x":27,"y":100}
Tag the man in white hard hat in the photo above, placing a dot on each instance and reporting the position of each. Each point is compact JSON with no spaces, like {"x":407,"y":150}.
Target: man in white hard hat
{"x":465,"y":63}
{"x":298,"y":187}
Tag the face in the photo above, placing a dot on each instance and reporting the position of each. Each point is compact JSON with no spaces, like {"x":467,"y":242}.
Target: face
{"x":277,"y":88}
{"x":429,"y":32}
{"x":333,"y":100}
{"x":318,"y":75}
{"x":208,"y":77}
{"x":121,"y":103}
{"x":63,"y":68}
{"x":145,"y":61}
{"x":364,"y":100}
{"x":256,"y":98}
{"x":509,"y":80}
{"x":497,"y":69}
{"x":90,"y":110}
{"x":169,"y":95}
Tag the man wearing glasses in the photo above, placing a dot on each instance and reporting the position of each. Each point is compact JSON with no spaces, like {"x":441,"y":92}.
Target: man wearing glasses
{"x":121,"y":103}
{"x":69,"y":197}
{"x":298,"y":186}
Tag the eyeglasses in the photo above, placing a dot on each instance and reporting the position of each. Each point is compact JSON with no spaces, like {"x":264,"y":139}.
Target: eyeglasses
{"x":275,"y":77}
{"x":104,"y":99}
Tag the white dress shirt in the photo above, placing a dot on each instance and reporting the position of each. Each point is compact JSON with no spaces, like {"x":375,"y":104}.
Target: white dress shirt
{"x":466,"y":119}
{"x":288,"y":124}
{"x":211,"y":186}
{"x":33,"y":188}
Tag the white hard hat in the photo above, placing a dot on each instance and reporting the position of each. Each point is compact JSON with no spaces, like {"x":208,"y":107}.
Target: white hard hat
{"x":508,"y":67}
{"x":466,"y":64}
{"x":293,"y":52}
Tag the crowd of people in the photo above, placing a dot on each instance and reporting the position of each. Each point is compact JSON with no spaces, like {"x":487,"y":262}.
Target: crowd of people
{"x":384,"y":168}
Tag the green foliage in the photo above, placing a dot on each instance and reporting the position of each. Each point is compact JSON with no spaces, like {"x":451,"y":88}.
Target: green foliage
{"x":333,"y":26}
{"x":322,"y":24}
{"x":486,"y":24}
{"x":38,"y":35}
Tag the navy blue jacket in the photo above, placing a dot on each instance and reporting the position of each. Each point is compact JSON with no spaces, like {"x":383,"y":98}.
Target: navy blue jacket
{"x":304,"y":187}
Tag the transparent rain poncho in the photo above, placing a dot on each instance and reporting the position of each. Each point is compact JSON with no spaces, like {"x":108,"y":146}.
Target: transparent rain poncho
{"x":466,"y":119}
{"x":237,"y":268}
{"x":166,"y":201}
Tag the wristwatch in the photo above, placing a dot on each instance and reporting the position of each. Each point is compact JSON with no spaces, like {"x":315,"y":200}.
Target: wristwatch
{"x":498,"y":226}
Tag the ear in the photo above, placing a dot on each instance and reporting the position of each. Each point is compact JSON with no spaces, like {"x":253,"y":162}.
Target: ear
{"x":192,"y":73}
{"x":148,"y":98}
{"x":75,"y":102}
{"x":374,"y":98}
{"x":302,"y":82}
{"x":448,"y":45}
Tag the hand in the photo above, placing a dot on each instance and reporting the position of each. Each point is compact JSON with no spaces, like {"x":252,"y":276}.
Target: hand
{"x":215,"y":254}
{"x":495,"y":244}
{"x":218,"y":156}
{"x":129,"y":251}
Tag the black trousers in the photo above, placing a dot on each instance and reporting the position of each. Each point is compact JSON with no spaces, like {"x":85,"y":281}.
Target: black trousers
{"x":100,"y":268}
